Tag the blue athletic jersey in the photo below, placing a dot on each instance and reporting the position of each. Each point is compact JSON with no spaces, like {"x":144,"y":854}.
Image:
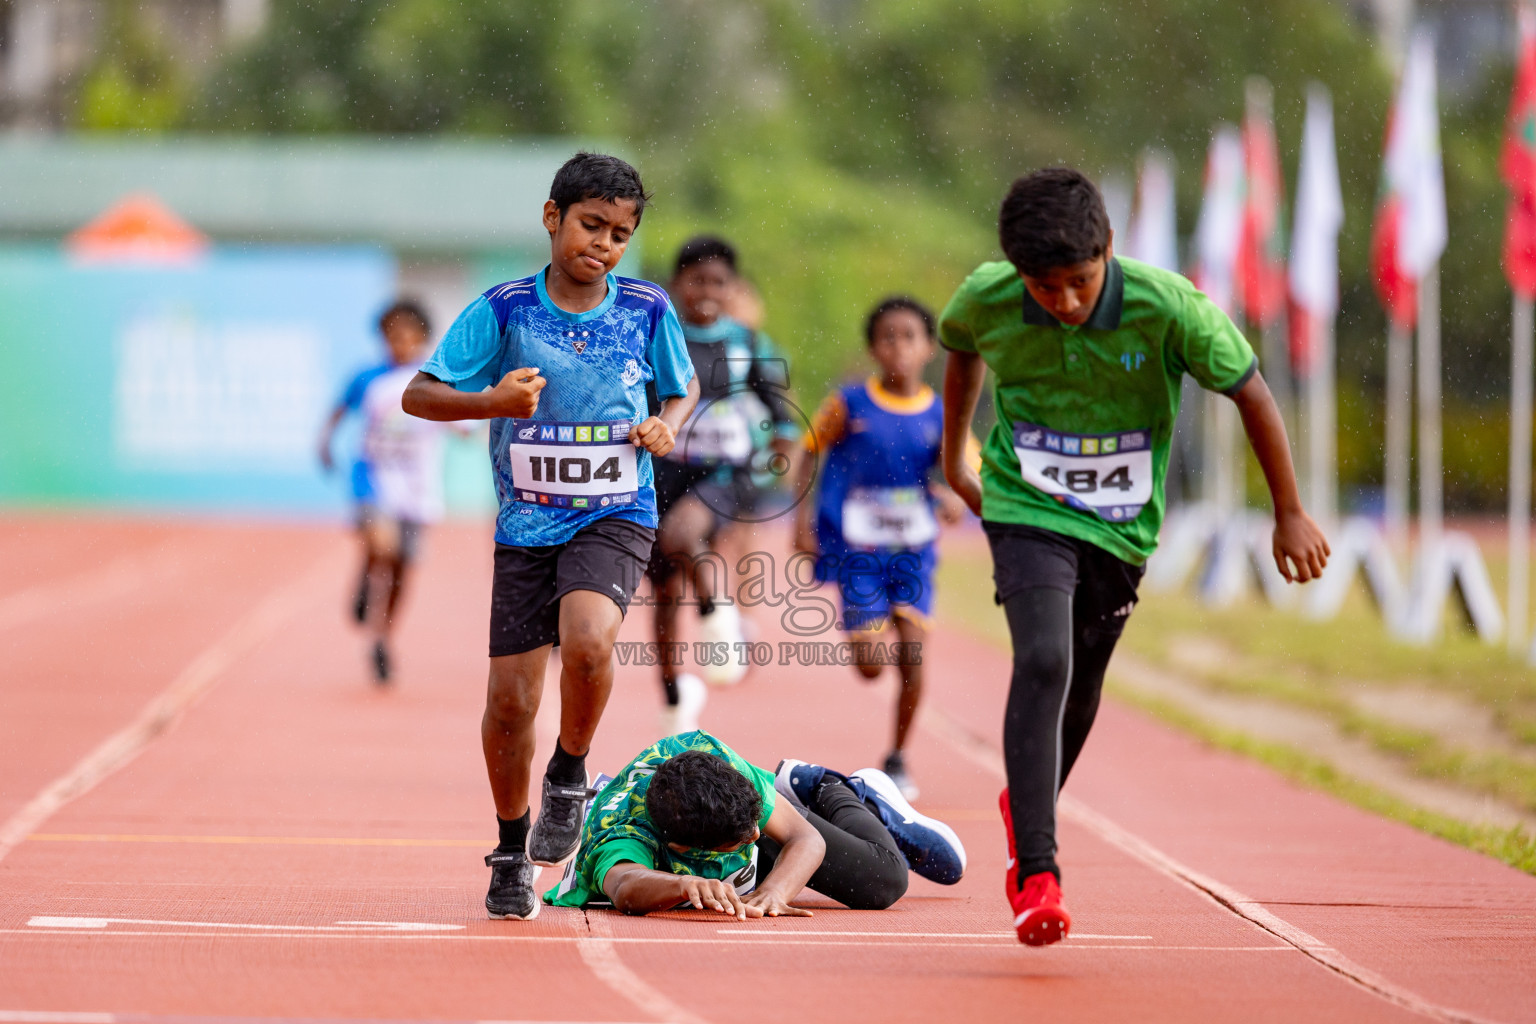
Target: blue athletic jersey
{"x":352,"y":401}
{"x":888,"y":444}
{"x":597,"y":364}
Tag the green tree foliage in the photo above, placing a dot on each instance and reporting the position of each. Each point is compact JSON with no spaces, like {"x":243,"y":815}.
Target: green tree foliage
{"x":853,"y":147}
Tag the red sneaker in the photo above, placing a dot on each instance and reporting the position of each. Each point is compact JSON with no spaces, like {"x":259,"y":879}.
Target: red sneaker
{"x":1038,"y":913}
{"x":1011,"y":877}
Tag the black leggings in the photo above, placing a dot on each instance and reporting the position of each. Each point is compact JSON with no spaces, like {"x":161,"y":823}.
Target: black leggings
{"x":862,"y":868}
{"x":1058,"y":672}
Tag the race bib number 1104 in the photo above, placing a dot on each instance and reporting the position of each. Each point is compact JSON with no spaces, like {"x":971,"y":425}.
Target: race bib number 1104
{"x":580,"y":466}
{"x":1109,"y":475}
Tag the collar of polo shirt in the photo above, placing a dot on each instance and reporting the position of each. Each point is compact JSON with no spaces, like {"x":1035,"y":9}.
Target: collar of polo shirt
{"x":1106,"y":314}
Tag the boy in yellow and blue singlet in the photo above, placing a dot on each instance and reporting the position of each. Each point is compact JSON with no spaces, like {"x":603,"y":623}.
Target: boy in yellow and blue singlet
{"x":559,"y":363}
{"x":876,"y":513}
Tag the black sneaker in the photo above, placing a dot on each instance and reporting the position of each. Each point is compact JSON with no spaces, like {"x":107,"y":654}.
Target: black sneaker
{"x":896,"y":768}
{"x":381,"y":664}
{"x":511,"y":893}
{"x":556,"y":833}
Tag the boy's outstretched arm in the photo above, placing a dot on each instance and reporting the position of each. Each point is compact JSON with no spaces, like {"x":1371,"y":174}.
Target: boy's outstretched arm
{"x":803,"y":849}
{"x":658,"y":434}
{"x":635,"y":889}
{"x":964,"y":373}
{"x":1298,"y":542}
{"x":515,"y":396}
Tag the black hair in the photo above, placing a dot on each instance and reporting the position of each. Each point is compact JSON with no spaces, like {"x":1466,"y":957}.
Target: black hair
{"x":407,"y":308}
{"x":891,"y":304}
{"x":697,"y":799}
{"x":704,"y":247}
{"x":1052,"y":218}
{"x":597,"y":176}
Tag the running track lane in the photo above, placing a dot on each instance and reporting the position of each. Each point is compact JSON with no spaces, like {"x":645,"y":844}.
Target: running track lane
{"x":262,"y":857}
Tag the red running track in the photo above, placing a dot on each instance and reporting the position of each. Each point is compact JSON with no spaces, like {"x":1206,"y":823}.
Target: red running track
{"x":207,"y":812}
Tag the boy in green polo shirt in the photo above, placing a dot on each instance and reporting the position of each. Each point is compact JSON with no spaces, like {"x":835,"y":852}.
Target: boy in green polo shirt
{"x":1088,"y":352}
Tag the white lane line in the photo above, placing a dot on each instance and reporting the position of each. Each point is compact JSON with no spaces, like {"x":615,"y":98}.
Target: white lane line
{"x":598,"y":951}
{"x":356,"y":936}
{"x":96,"y":923}
{"x":967,"y":743}
{"x":914,"y":935}
{"x":115,"y":580}
{"x":74,"y":1017}
{"x":165,"y":710}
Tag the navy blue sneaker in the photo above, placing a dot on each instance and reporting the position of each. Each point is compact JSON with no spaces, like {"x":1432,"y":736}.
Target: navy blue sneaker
{"x":931,"y":847}
{"x":796,"y":781}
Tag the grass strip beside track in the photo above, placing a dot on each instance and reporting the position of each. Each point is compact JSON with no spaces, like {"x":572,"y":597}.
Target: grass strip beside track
{"x":1514,"y":847}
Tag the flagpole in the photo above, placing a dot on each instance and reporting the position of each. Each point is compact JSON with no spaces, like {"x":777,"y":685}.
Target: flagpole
{"x":1520,"y":360}
{"x":1399,"y":409}
{"x":1431,"y":497}
{"x":1322,"y":426}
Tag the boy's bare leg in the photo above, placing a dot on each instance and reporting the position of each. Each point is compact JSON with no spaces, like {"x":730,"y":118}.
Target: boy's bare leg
{"x":506,"y":732}
{"x":864,"y":643}
{"x":589,"y":624}
{"x":910,"y":668}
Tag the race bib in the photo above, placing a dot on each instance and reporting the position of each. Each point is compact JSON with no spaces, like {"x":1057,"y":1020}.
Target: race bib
{"x":573,"y":465}
{"x":888,"y":517}
{"x":1109,"y":475}
{"x":716,"y":432}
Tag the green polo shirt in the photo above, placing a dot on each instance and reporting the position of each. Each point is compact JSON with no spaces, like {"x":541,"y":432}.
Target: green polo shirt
{"x":1085,"y":414}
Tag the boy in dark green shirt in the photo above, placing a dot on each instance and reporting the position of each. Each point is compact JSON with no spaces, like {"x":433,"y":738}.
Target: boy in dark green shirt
{"x":1088,"y":352}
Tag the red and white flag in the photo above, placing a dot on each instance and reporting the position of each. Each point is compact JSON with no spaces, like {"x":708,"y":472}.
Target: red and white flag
{"x":1261,"y":257}
{"x":1410,"y":230}
{"x":1314,"y":270}
{"x":1517,"y":163}
{"x":1220,"y":228}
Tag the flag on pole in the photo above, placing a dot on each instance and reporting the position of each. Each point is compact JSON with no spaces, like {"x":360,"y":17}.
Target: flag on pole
{"x":1410,"y":230}
{"x":1517,"y":163}
{"x":1314,"y":269}
{"x":1261,"y":256}
{"x":1154,"y":231}
{"x":1218,"y":234}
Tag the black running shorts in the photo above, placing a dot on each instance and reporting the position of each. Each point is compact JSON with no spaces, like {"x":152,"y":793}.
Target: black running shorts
{"x":1102,"y":586}
{"x":606,"y":557}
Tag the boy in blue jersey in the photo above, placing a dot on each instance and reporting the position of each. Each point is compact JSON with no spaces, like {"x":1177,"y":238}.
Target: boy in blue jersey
{"x":707,"y":484}
{"x":388,"y":542}
{"x":559,"y":364}
{"x":876,"y":514}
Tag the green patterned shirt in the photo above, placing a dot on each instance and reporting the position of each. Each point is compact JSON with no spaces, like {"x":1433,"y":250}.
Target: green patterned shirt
{"x":617,"y":828}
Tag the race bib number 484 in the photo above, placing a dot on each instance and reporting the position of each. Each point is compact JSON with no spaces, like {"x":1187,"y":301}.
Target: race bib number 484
{"x":573,"y":465}
{"x":1109,"y":475}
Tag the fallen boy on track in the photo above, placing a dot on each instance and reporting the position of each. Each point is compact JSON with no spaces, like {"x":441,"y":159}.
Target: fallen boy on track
{"x":688,"y":822}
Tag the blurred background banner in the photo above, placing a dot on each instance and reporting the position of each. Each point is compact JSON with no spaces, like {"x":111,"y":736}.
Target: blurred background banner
{"x":191,"y":386}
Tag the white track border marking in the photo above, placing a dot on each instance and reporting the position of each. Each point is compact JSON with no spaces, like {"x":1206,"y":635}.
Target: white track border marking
{"x":98,"y":923}
{"x":962,"y":739}
{"x":602,"y":957}
{"x":166,"y":709}
{"x":593,"y":944}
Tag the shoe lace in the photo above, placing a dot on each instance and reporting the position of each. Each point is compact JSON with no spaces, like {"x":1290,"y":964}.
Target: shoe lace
{"x":564,"y":804}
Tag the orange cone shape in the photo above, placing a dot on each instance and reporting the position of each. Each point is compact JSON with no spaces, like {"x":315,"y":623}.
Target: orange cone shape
{"x":138,"y":228}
